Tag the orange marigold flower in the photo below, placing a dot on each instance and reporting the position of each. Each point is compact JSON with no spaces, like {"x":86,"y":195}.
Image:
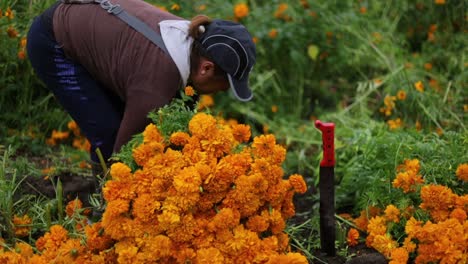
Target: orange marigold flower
{"x":274,"y":108}
{"x":258,"y":223}
{"x":377,"y":226}
{"x":179,"y":138}
{"x":24,"y":249}
{"x":439,"y":2}
{"x":392,"y":213}
{"x":413,"y":227}
{"x":9,"y":13}
{"x":291,"y":257}
{"x":73,"y":207}
{"x":273,"y":33}
{"x":152,"y":134}
{"x":202,"y":125}
{"x":352,"y":237}
{"x":22,"y":225}
{"x":175,"y":7}
{"x":419,"y":86}
{"x":409,"y":245}
{"x":241,"y":132}
{"x":399,"y":256}
{"x":363,"y":9}
{"x":263,"y":145}
{"x":298,"y":183}
{"x":428,"y":66}
{"x":384,"y":244}
{"x":12,"y":32}
{"x":401,"y":95}
{"x":407,"y":181}
{"x":437,"y":197}
{"x":459,"y":214}
{"x":209,"y":255}
{"x":22,"y":54}
{"x":120,"y":171}
{"x":241,"y":10}
{"x":206,"y":101}
{"x":462,"y":172}
{"x":96,"y":239}
{"x":189,"y":91}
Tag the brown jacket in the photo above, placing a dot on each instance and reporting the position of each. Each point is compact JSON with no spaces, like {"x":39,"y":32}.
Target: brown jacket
{"x":120,"y":58}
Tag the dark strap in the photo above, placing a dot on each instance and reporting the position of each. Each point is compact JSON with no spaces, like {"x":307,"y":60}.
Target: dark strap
{"x":132,"y":21}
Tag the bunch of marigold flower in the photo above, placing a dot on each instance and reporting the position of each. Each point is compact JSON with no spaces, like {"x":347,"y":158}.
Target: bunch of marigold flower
{"x":446,"y":214}
{"x":203,"y":195}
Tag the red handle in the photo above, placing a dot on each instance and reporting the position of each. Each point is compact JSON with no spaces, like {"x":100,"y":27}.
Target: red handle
{"x":328,"y":141}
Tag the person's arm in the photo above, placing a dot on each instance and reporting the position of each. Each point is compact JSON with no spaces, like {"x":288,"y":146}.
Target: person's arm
{"x":139,"y":103}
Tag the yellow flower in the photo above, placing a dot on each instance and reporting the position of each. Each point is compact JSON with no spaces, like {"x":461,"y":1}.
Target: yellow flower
{"x":175,"y":7}
{"x":189,"y":91}
{"x":241,"y":10}
{"x":394,"y":124}
{"x":274,"y":108}
{"x":201,"y":8}
{"x":384,"y":244}
{"x":419,"y":86}
{"x":9,"y":13}
{"x":462,"y":172}
{"x":206,"y":101}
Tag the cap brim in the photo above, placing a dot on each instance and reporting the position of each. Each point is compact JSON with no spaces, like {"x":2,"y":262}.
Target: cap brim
{"x":240,"y":89}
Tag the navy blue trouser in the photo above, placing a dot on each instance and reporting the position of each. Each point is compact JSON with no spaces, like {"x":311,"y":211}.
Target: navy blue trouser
{"x":97,"y":112}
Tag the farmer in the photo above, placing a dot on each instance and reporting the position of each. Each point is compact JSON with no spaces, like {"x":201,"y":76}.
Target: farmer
{"x":108,"y":76}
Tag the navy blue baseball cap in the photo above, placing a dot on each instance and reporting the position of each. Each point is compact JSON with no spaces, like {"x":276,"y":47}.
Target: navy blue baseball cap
{"x":231,"y":47}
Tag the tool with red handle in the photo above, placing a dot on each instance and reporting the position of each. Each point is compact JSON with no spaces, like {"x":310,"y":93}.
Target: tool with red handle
{"x":327,"y":188}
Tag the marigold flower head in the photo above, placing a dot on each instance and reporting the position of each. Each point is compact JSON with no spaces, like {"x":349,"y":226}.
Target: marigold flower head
{"x":189,"y":91}
{"x":206,"y":101}
{"x":439,"y":2}
{"x":352,"y":237}
{"x":392,"y":213}
{"x":384,"y":244}
{"x":179,"y":138}
{"x":401,"y":95}
{"x":152,"y":134}
{"x":241,"y":10}
{"x":298,"y":183}
{"x":22,"y":225}
{"x":120,"y":171}
{"x":202,"y":125}
{"x":241,"y":132}
{"x":73,"y":206}
{"x":399,"y":256}
{"x":291,"y":258}
{"x":273,"y":33}
{"x":462,"y":172}
{"x":437,"y":197}
{"x":419,"y":86}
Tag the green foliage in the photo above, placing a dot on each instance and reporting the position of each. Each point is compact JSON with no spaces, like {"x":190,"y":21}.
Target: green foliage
{"x":172,"y":117}
{"x":368,"y":165}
